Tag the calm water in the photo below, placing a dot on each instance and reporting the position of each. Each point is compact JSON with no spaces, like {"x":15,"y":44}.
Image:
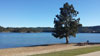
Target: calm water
{"x":12,"y":40}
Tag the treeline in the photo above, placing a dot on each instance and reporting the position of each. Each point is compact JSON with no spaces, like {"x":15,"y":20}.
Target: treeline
{"x":94,"y":29}
{"x":25,"y":29}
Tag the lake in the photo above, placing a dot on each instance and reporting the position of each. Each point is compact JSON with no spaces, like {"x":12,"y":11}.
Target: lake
{"x":12,"y":40}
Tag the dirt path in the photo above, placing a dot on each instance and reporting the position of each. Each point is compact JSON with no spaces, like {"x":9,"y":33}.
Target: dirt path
{"x":24,"y":51}
{"x":91,"y":54}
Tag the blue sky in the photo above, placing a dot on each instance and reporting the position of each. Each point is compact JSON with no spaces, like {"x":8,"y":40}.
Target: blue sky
{"x":41,"y":13}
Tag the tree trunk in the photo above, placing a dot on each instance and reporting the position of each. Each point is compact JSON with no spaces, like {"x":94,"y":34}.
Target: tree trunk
{"x":67,"y":40}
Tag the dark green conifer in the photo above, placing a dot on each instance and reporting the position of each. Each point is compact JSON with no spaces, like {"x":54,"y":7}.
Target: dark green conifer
{"x":65,"y":23}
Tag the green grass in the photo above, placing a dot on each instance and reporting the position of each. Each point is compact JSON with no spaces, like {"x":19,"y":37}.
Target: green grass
{"x":73,"y":52}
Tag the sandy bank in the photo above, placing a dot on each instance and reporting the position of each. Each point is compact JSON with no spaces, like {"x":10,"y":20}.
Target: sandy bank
{"x":24,"y":51}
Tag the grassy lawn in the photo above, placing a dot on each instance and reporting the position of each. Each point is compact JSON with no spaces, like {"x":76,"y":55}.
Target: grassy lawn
{"x":71,"y":52}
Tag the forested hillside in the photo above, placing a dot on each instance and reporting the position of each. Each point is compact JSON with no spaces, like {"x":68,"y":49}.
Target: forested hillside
{"x":93,"y":29}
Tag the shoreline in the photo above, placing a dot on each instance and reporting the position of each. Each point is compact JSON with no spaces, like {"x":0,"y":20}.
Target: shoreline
{"x":91,"y":43}
{"x":24,"y":51}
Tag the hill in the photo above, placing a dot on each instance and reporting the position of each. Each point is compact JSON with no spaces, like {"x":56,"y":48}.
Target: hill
{"x":91,"y":29}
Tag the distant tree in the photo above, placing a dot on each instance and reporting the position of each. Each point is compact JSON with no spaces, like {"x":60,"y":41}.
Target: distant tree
{"x":65,"y":23}
{"x":1,"y":29}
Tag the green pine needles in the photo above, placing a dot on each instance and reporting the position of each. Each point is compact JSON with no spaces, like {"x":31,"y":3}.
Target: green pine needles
{"x":65,"y":23}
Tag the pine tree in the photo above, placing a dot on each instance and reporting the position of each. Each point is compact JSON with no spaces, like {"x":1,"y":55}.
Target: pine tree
{"x":65,"y":23}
